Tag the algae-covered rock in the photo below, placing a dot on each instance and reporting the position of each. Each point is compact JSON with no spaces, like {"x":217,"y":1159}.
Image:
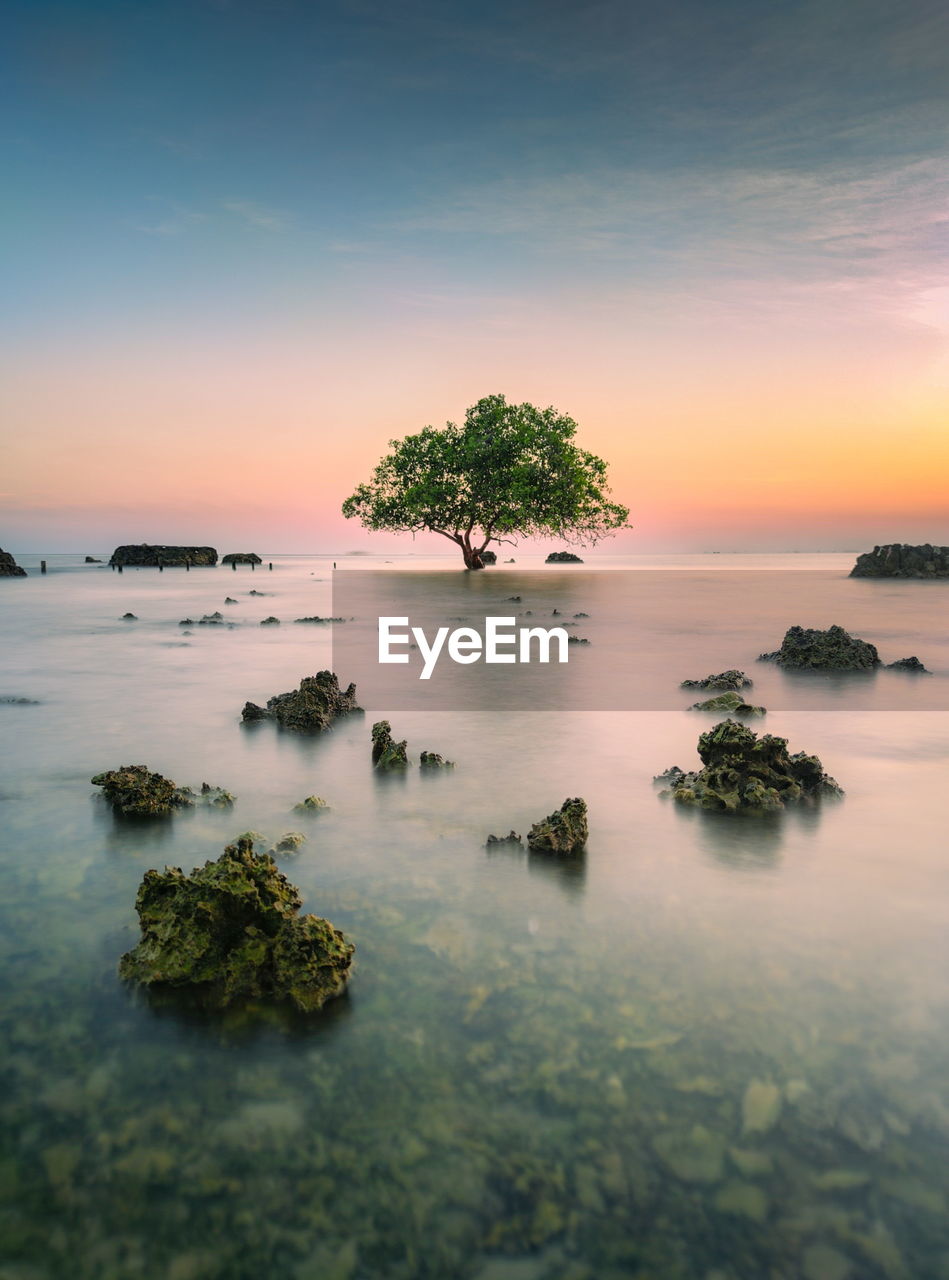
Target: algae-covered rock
{"x":730,"y":703}
{"x":312,"y":804}
{"x":903,"y":560}
{"x":810,"y":649}
{"x":311,"y":708}
{"x":146,"y":555}
{"x":432,"y":760}
{"x":563,"y":831}
{"x":128,"y":617}
{"x":216,"y":797}
{"x":270,"y":622}
{"x":724,"y":680}
{"x":760,"y":1107}
{"x":512,"y":838}
{"x":241,"y":557}
{"x":489,"y":557}
{"x":232,"y":930}
{"x":386,"y":752}
{"x":909,"y":664}
{"x":694,"y":1155}
{"x":563,"y":557}
{"x":9,"y":567}
{"x":133,"y":790}
{"x":211,"y":619}
{"x":742,"y":771}
{"x":743,"y":1200}
{"x":289,"y":844}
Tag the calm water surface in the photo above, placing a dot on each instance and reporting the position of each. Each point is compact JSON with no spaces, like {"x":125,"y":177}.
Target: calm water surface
{"x":710,"y":1049}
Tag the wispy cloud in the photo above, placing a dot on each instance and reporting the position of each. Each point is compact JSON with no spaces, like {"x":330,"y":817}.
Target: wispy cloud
{"x":257,"y":215}
{"x":174,"y":223}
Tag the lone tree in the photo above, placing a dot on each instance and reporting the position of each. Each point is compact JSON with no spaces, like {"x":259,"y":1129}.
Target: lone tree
{"x":509,"y":471}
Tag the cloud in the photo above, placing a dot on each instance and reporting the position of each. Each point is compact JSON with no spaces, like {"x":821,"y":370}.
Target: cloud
{"x":257,"y":215}
{"x":174,"y":223}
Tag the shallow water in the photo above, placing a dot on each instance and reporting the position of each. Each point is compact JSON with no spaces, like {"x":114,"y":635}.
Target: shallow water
{"x":710,"y":1048}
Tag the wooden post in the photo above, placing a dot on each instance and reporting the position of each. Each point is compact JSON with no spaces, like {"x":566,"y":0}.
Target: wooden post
{"x":234,"y":565}
{"x":42,"y":566}
{"x":187,"y":566}
{"x":120,"y":568}
{"x":252,"y":565}
{"x":270,"y":565}
{"x":161,"y":567}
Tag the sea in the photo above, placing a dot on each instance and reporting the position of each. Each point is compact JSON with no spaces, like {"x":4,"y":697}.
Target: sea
{"x":710,"y":1047}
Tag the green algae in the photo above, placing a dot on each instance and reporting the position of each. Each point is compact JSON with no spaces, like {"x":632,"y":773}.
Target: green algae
{"x":386,"y":752}
{"x":563,"y":831}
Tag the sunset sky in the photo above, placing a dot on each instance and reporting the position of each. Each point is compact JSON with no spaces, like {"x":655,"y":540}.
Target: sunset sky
{"x":248,"y":243}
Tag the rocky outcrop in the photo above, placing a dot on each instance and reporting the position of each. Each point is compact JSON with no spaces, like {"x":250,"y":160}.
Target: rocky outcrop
{"x":148,"y":556}
{"x":489,"y":557}
{"x":512,"y":838}
{"x":311,"y":708}
{"x":724,"y":680}
{"x":902,"y":560}
{"x":316,"y":618}
{"x":312,"y":804}
{"x":563,"y":557}
{"x":742,"y":771}
{"x":241,"y":557}
{"x":432,"y":760}
{"x":732,"y":704}
{"x":9,"y":567}
{"x":134,"y":790}
{"x":805,"y":649}
{"x":91,"y":560}
{"x":563,"y":831}
{"x":232,"y":930}
{"x":270,"y":622}
{"x":386,"y":752}
{"x":909,"y":664}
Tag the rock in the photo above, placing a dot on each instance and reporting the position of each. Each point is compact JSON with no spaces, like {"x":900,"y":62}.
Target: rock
{"x":694,"y":1156}
{"x":760,"y":1107}
{"x":216,"y":797}
{"x":186,"y":622}
{"x":839,"y":1180}
{"x":673,"y":775}
{"x":512,"y":599}
{"x":386,"y":752}
{"x":742,"y":771}
{"x":806,"y":649}
{"x":9,"y":567}
{"x":732,"y":679}
{"x":489,"y":557}
{"x":290,"y":843}
{"x":744,"y":1200}
{"x":511,"y":838}
{"x":211,"y":619}
{"x":731,"y":703}
{"x":511,"y":561}
{"x":11,"y":700}
{"x":231,"y":930}
{"x":229,"y":600}
{"x":581,"y":615}
{"x":128,"y":617}
{"x":146,"y":555}
{"x":563,"y":557}
{"x":902,"y":560}
{"x":909,"y":664}
{"x":432,"y":760}
{"x":270,"y":622}
{"x":317,"y":618}
{"x":241,"y":557}
{"x":257,"y":593}
{"x":312,"y":804}
{"x":751,"y":1164}
{"x":577,"y":640}
{"x":313,"y":707}
{"x":563,"y":831}
{"x":133,"y":790}
{"x":822,"y":1262}
{"x":91,"y":560}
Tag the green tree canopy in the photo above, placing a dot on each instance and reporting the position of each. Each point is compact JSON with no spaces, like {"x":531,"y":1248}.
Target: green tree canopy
{"x":509,"y":471}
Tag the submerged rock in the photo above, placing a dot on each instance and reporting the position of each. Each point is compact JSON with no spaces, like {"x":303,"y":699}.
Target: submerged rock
{"x":133,"y":790}
{"x":742,"y":771}
{"x":489,"y":557}
{"x":563,"y":831}
{"x":731,"y":679}
{"x":432,"y":760}
{"x":241,"y":557}
{"x":270,"y":622}
{"x":810,"y":649}
{"x":290,"y":843}
{"x":903,"y":560}
{"x":217,"y":797}
{"x":146,"y":555}
{"x":386,"y":752}
{"x":211,"y":619}
{"x":760,"y":1107}
{"x":577,"y":639}
{"x":229,"y":600}
{"x":696,"y":1155}
{"x":312,"y":804}
{"x":311,"y":708}
{"x":731,"y":703}
{"x":316,"y":618}
{"x":91,"y":560}
{"x":909,"y":664}
{"x":9,"y":567}
{"x":129,"y":617}
{"x":232,"y":930}
{"x":563,"y":557}
{"x":511,"y":838}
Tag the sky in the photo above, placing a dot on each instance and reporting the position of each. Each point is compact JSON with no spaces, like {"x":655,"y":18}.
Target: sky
{"x":247,"y":243}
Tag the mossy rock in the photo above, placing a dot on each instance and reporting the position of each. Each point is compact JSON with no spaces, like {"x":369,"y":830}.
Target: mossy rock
{"x":135,"y":791}
{"x":809,"y":649}
{"x":311,"y":708}
{"x":432,"y":760}
{"x":563,"y":831}
{"x":386,"y":752}
{"x":742,"y":771}
{"x":731,"y":703}
{"x":724,"y":680}
{"x":232,"y":930}
{"x":312,"y":804}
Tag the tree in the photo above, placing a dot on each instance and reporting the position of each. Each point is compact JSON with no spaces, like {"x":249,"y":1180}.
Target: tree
{"x":509,"y":471}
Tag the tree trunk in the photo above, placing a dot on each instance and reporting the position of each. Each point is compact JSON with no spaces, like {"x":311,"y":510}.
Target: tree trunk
{"x":472,"y":557}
